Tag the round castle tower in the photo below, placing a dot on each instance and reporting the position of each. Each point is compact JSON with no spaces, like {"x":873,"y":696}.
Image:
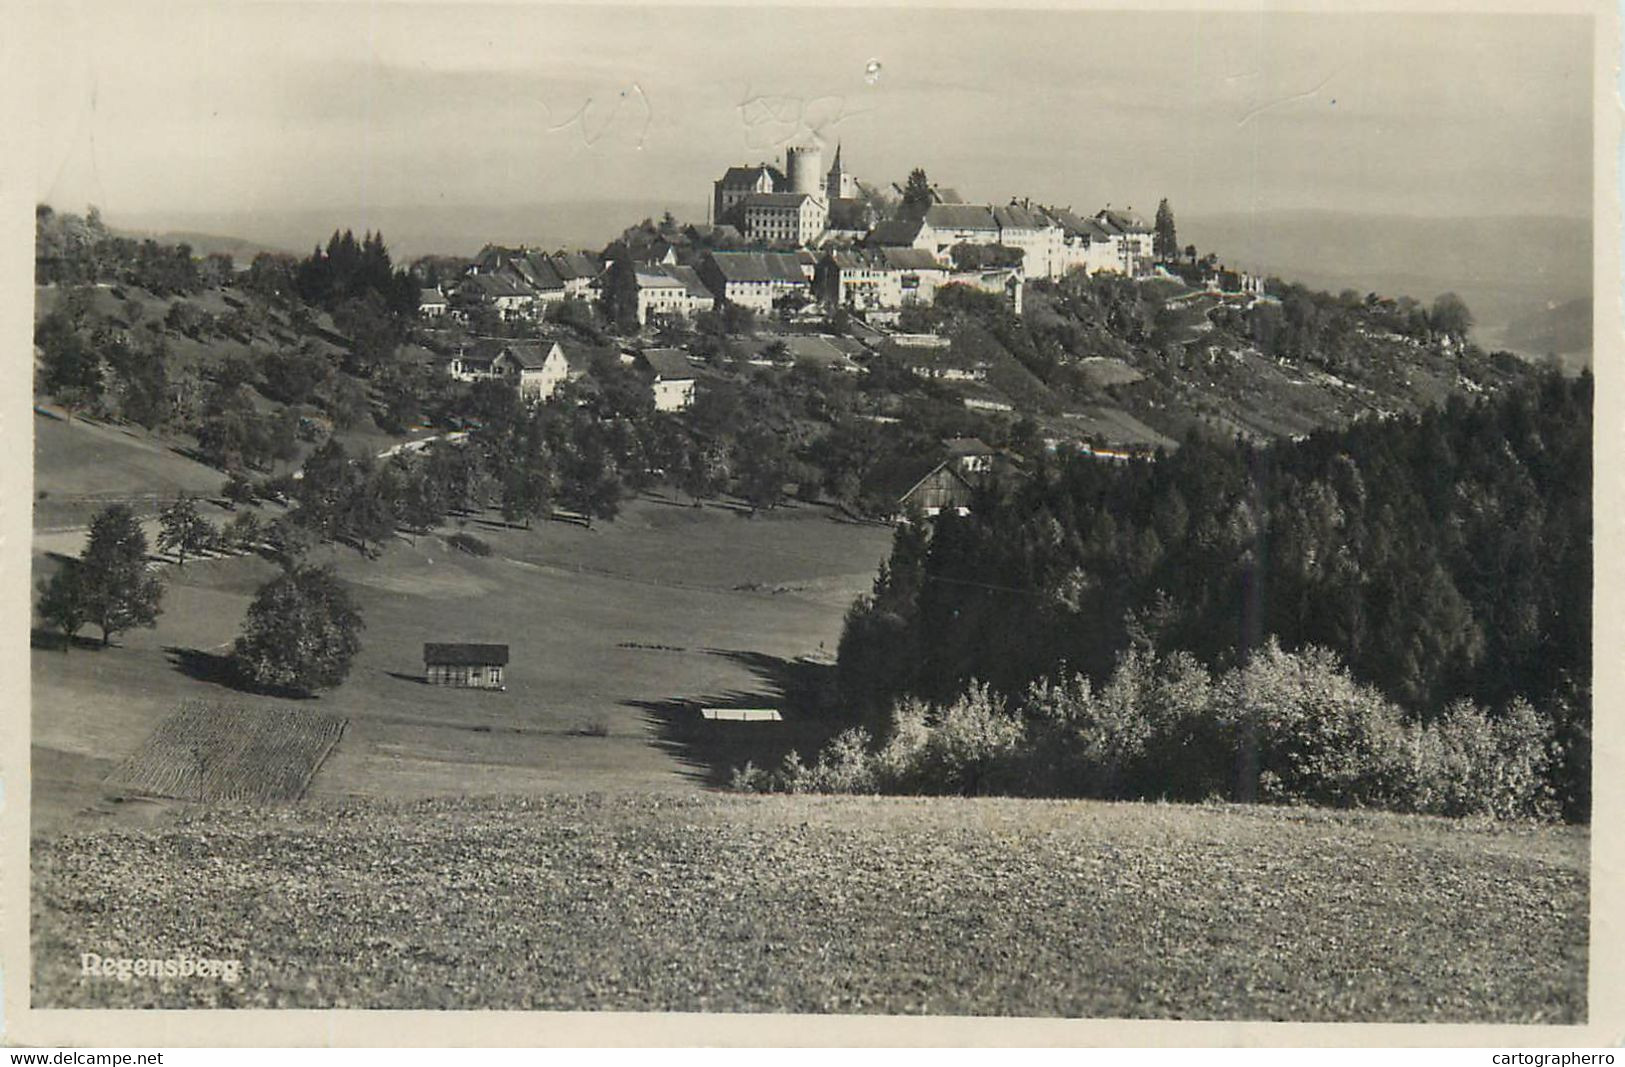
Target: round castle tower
{"x":804,"y":169}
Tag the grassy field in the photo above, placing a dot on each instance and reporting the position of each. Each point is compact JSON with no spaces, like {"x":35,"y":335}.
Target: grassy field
{"x":810,"y":904}
{"x":618,"y":634}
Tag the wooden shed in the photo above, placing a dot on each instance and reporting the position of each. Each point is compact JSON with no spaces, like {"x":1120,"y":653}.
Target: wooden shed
{"x":465,"y":665}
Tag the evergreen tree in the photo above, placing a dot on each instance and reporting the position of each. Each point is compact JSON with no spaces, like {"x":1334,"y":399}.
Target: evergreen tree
{"x":917,"y":196}
{"x":1165,"y":240}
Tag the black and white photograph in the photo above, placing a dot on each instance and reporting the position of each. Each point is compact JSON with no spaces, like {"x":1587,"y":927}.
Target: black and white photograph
{"x":822,"y":510}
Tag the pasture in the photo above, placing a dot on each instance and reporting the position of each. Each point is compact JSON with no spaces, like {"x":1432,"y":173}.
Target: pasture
{"x":829,"y":904}
{"x":618,"y":633}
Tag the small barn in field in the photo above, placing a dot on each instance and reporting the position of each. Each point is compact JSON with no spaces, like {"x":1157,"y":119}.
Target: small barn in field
{"x":464,"y":665}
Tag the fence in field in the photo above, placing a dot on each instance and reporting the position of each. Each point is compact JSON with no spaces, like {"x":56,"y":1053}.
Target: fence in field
{"x":741,"y":714}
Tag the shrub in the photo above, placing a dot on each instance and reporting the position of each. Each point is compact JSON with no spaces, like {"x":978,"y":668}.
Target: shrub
{"x":970,"y":746}
{"x":1470,"y":763}
{"x":467,"y":542}
{"x":1303,"y":730}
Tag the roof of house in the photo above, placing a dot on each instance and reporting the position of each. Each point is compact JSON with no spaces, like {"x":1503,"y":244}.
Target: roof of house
{"x":689,"y":278}
{"x":960,"y":217}
{"x":574,"y":265}
{"x":656,"y":276}
{"x":431,"y":296}
{"x":968,"y":446}
{"x":945,"y":194}
{"x":896,"y":479}
{"x":493,"y":286}
{"x":910,"y":259}
{"x":464,"y":655}
{"x":1124,"y":221}
{"x":530,"y":356}
{"x":792,"y":200}
{"x":537,"y":271}
{"x":812,"y":348}
{"x":1019,"y":217}
{"x":745,"y":177}
{"x":759,"y":267}
{"x":670,"y":364}
{"x":896,"y":232}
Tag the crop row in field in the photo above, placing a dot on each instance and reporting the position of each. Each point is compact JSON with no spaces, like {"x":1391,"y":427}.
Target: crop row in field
{"x":225,"y":753}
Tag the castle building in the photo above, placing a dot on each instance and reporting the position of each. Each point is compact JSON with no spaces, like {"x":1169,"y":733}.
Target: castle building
{"x":785,"y":218}
{"x":730,"y":191}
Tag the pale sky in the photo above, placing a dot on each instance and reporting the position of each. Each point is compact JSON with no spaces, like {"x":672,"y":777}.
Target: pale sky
{"x":280,"y":107}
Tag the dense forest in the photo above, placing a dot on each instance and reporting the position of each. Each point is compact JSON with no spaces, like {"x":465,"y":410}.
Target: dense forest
{"x":1441,"y":557}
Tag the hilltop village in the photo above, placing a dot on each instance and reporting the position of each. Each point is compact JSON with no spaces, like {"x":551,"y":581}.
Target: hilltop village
{"x":802,"y":237}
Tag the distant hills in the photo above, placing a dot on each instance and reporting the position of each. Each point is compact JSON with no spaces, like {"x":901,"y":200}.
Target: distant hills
{"x":1509,"y":269}
{"x":460,"y":229}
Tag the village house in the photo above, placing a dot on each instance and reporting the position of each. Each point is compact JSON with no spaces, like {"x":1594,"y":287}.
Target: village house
{"x":753,"y":279}
{"x":1004,"y":281}
{"x":577,"y":271}
{"x":1131,"y":240}
{"x":464,"y":665}
{"x":432,"y":303}
{"x":903,"y":233}
{"x":1039,"y":238}
{"x":506,"y":294}
{"x":671,"y":292}
{"x":536,"y":370}
{"x":900,"y":488}
{"x":954,"y":224}
{"x":865,"y":279}
{"x":473,"y":362}
{"x":672,"y":379}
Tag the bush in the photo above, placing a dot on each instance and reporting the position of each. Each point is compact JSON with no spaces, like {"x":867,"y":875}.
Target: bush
{"x":1469,"y":763}
{"x":467,"y":542}
{"x":1304,"y":731}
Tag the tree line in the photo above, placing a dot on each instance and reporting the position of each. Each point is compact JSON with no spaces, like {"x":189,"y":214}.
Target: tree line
{"x":1444,"y":556}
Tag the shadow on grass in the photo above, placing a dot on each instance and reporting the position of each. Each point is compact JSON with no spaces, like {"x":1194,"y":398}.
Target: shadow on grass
{"x":57,"y":641}
{"x":711,"y":751}
{"x":418,"y":678}
{"x":217,"y":669}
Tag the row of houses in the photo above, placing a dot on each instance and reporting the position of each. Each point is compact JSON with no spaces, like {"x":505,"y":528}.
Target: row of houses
{"x":516,"y":283}
{"x":536,"y":369}
{"x":1053,"y":241}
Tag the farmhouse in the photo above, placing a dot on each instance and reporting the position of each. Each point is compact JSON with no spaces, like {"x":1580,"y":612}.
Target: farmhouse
{"x":753,"y":279}
{"x":576,"y":270}
{"x":673,"y":381}
{"x":431,"y":303}
{"x":504,"y":292}
{"x":667,"y":292}
{"x":535,"y":370}
{"x":474,"y":363}
{"x":464,"y":665}
{"x":900,"y":487}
